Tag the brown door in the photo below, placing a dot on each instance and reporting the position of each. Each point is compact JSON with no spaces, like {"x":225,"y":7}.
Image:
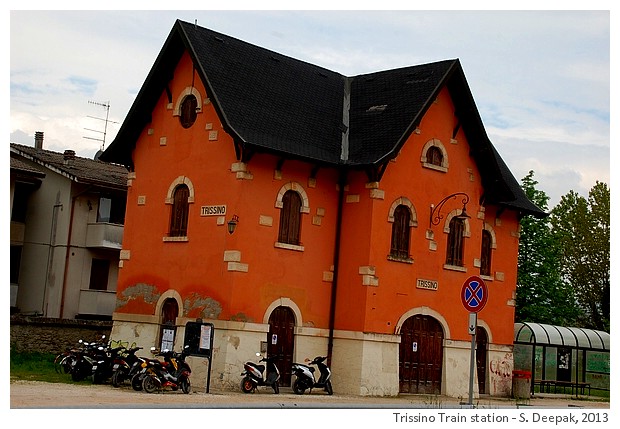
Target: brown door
{"x":481,"y":358}
{"x":280,"y":341}
{"x":167,"y":332}
{"x":421,"y":355}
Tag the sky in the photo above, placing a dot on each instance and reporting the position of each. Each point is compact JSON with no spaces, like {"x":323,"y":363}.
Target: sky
{"x":540,"y":78}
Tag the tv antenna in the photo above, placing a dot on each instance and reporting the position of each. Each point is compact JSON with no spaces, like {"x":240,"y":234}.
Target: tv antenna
{"x":105,"y":127}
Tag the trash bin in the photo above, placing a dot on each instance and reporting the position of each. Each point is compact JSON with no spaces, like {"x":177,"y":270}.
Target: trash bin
{"x":521,"y":384}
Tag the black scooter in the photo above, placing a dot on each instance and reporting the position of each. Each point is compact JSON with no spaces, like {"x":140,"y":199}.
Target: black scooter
{"x":253,"y":375}
{"x":304,"y":376}
{"x":172,"y":372}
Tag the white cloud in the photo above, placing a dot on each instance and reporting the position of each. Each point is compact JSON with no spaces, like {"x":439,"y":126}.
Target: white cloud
{"x":540,"y":79}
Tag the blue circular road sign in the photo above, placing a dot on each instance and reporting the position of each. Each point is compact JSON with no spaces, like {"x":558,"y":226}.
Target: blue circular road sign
{"x":474,"y":294}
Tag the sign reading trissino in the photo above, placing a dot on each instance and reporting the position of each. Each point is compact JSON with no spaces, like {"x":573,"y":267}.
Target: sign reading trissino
{"x":427,"y":284}
{"x":219,"y":210}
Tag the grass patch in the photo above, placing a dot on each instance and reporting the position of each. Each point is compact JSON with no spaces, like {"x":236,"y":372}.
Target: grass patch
{"x":35,"y":366}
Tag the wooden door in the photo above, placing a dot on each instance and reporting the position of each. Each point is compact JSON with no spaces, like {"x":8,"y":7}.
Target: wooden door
{"x":167,"y":332}
{"x":281,"y":341}
{"x":481,"y":358}
{"x":420,"y":355}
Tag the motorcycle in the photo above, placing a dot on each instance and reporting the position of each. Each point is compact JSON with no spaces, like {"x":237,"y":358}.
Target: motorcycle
{"x":304,"y":376}
{"x":141,"y":368}
{"x":104,"y":366}
{"x":172,"y":372}
{"x":86,"y":360}
{"x":253,"y":375}
{"x":123,"y":365}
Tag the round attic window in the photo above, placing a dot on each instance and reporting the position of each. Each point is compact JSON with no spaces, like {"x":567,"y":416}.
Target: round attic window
{"x":188,"y":111}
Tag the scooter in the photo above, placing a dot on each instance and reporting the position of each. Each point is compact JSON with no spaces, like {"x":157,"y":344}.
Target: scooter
{"x":123,"y":364}
{"x":304,"y":376}
{"x":172,"y":372}
{"x":253,"y":375}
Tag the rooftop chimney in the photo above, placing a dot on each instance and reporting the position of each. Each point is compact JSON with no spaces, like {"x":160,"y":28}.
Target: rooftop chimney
{"x":68,"y":156}
{"x":38,"y":139}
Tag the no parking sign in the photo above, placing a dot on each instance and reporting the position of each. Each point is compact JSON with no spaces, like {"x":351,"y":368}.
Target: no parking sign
{"x":474,"y":294}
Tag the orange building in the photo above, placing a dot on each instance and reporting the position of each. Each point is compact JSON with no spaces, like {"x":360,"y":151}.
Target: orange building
{"x":305,"y":213}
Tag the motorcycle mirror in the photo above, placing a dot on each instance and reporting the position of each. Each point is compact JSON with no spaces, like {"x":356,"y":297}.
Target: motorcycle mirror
{"x":258,"y":354}
{"x":153,"y":349}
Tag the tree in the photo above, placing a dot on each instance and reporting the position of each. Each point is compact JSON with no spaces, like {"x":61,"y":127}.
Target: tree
{"x":582,"y":227}
{"x":542,"y":296}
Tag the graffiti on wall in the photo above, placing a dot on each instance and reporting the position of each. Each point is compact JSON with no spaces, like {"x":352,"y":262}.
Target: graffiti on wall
{"x":500,"y":368}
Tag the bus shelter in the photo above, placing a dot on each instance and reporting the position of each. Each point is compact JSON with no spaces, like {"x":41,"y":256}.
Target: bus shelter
{"x":562,"y":359}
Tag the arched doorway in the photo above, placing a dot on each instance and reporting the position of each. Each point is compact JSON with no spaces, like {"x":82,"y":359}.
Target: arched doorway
{"x":281,"y":341}
{"x":420,"y":355}
{"x":481,"y":358}
{"x":169,"y":313}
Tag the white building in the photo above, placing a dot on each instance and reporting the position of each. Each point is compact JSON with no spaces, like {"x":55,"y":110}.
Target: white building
{"x":67,"y":216}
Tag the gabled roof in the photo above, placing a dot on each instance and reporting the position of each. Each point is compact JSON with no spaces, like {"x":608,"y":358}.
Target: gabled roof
{"x":18,"y":166}
{"x":272,"y":103}
{"x":81,"y":170}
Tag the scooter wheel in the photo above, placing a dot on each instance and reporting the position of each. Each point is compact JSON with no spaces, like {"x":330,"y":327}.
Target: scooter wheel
{"x":247,"y":385}
{"x":185,"y":385}
{"x":149,"y":385}
{"x":117,"y":378}
{"x":276,"y":388}
{"x":328,"y":387}
{"x":136,"y":382}
{"x":298,"y":387}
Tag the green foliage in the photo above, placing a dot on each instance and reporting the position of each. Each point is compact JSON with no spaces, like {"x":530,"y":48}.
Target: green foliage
{"x":582,"y":227}
{"x":564,"y":260}
{"x":542,"y":296}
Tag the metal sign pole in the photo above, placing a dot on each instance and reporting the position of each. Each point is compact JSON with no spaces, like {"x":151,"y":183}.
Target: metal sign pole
{"x":473,"y":322}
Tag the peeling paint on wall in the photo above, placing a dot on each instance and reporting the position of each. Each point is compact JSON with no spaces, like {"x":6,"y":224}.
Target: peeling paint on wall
{"x":148,"y":293}
{"x":208,"y":307}
{"x":234,"y":341}
{"x":241,"y":317}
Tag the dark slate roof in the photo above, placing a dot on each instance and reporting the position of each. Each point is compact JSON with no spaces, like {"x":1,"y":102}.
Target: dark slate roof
{"x":82,"y":170}
{"x":21,"y":167}
{"x":269,"y":102}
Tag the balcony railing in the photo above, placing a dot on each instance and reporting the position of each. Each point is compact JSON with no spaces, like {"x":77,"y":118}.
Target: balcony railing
{"x":98,"y":302}
{"x":104,"y":235}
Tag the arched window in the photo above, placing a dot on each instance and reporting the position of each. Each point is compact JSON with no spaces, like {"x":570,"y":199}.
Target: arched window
{"x":485,"y":253}
{"x":454,"y":254}
{"x":188,"y":111}
{"x":399,"y":247}
{"x":290,"y":219}
{"x":434,"y":156}
{"x":180,"y":212}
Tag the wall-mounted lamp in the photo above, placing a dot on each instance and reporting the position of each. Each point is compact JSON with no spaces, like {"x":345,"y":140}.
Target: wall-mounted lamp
{"x":436,"y":210}
{"x":232,"y":224}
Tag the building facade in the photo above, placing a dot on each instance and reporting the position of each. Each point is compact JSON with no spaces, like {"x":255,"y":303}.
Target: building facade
{"x":305,"y":213}
{"x":66,"y":231}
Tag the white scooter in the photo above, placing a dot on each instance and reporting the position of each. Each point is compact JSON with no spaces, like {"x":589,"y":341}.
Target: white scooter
{"x":304,"y":376}
{"x":253,"y":375}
